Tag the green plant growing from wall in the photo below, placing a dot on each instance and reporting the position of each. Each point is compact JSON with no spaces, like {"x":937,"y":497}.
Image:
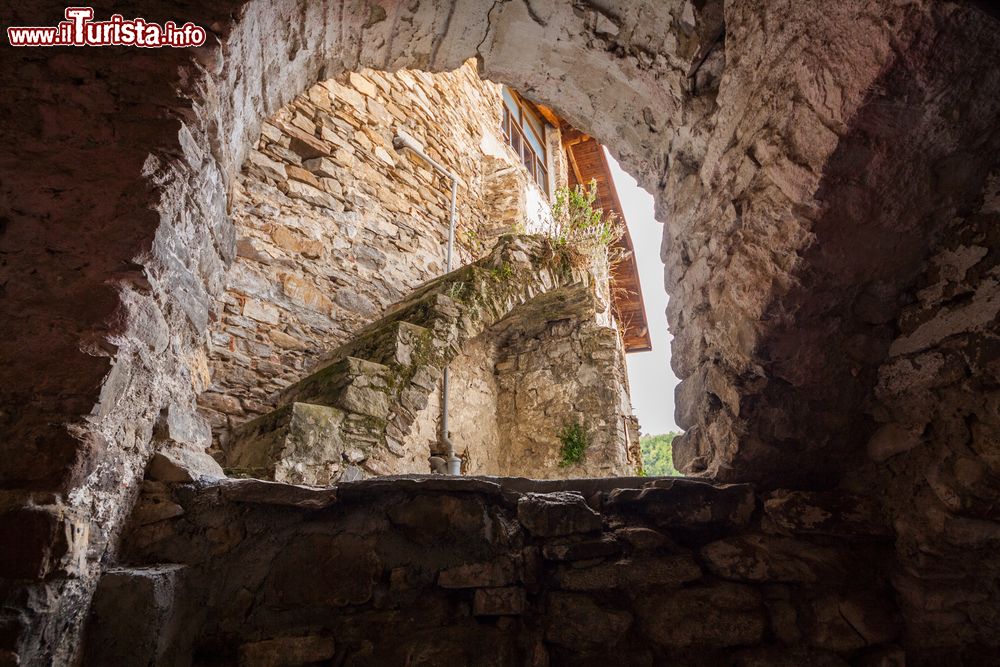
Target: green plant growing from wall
{"x":575,"y":441}
{"x":503,"y":272}
{"x":578,"y":221}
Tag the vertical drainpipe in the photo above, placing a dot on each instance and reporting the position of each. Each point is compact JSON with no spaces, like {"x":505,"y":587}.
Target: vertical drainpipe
{"x":400,"y":143}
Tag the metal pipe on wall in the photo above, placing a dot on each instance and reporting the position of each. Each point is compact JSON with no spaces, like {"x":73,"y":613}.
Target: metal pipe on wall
{"x":400,"y":143}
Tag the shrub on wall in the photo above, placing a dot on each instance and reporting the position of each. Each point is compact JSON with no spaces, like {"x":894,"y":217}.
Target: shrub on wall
{"x":575,"y":441}
{"x":577,"y":221}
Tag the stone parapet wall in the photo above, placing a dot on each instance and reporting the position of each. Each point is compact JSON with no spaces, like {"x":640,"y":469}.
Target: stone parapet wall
{"x":571,"y":373}
{"x":487,"y":571}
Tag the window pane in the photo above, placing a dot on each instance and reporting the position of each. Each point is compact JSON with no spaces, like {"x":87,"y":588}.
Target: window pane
{"x":534,"y":141}
{"x":511,"y":103}
{"x":534,"y":125}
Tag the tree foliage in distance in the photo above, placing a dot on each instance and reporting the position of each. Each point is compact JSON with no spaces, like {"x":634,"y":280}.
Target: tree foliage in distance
{"x":657,"y":455}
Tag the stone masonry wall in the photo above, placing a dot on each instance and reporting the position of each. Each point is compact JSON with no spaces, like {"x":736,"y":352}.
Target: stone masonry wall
{"x":477,"y":571}
{"x":473,"y":420}
{"x":935,"y":453}
{"x":571,"y":372}
{"x":333,"y":225}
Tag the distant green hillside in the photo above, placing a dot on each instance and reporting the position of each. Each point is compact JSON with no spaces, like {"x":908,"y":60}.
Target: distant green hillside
{"x":657,"y":454}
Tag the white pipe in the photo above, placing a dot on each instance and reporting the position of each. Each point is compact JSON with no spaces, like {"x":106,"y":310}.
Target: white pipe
{"x":401,"y":142}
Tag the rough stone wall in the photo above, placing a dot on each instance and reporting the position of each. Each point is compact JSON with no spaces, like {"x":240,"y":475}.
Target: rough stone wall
{"x":935,"y":452}
{"x":473,"y":419}
{"x":477,"y":571}
{"x":116,"y":234}
{"x":572,"y":372}
{"x":333,"y":225}
{"x":800,"y":206}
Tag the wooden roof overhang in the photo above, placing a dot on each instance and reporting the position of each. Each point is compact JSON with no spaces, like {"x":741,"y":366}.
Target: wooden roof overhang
{"x":588,"y":162}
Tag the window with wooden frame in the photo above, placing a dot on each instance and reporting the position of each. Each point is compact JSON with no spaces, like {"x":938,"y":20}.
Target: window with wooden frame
{"x":524,"y":131}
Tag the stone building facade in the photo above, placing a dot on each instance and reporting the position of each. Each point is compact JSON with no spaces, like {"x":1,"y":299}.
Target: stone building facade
{"x":334,"y":226}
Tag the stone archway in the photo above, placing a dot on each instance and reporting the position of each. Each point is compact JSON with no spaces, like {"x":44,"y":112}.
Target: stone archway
{"x":112,"y":264}
{"x":138,"y":227}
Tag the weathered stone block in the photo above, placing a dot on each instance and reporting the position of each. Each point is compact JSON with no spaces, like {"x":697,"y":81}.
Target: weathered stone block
{"x":576,"y":622}
{"x":322,"y":570}
{"x":148,"y":633}
{"x":354,"y":385}
{"x":686,"y":503}
{"x":501,"y":572}
{"x":713,"y":616}
{"x":771,"y":558}
{"x":847,"y":623}
{"x":506,"y":601}
{"x":287,"y":651}
{"x":300,"y":443}
{"x":567,"y":549}
{"x":426,"y":519}
{"x":632,"y":574}
{"x":641,"y":538}
{"x":554,"y":514}
{"x":827,"y":513}
{"x":182,"y":464}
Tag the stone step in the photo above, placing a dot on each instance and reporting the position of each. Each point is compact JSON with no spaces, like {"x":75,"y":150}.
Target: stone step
{"x":306,"y":443}
{"x":388,"y":341}
{"x":353,"y":385}
{"x":367,"y":394}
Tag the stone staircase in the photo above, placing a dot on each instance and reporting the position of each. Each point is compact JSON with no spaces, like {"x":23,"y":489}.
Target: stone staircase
{"x":350,"y":418}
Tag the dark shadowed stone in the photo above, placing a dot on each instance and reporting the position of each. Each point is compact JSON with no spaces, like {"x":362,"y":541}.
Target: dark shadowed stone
{"x":426,"y":519}
{"x":719,"y":615}
{"x":783,"y":615}
{"x":147,"y":633}
{"x":632,"y":574}
{"x":35,"y":541}
{"x":566,"y":550}
{"x":852,"y":621}
{"x":500,"y":572}
{"x":506,"y":601}
{"x":783,"y":656}
{"x":555,"y":514}
{"x":287,"y":651}
{"x":148,"y":512}
{"x":686,"y":503}
{"x":762,"y":558}
{"x":642,"y":539}
{"x":577,"y":622}
{"x":275,"y":493}
{"x":825,"y":513}
{"x":886,"y":656}
{"x":322,"y":570}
